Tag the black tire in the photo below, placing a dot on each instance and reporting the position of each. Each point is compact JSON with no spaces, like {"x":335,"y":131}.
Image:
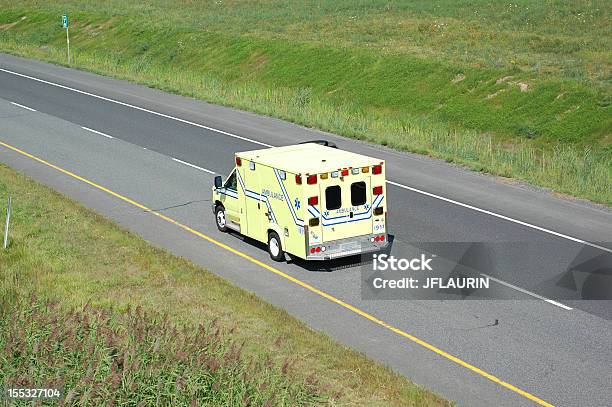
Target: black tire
{"x":221,"y":218}
{"x":275,"y":247}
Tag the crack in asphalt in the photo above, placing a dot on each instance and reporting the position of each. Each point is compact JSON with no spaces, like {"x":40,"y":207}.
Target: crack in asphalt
{"x":178,"y":205}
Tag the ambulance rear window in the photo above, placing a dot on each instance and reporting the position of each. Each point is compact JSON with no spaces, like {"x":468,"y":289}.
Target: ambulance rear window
{"x":333,"y":197}
{"x":358,"y":193}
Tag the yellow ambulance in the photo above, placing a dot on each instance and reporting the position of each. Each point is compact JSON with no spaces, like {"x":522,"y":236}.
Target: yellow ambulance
{"x":308,"y":200}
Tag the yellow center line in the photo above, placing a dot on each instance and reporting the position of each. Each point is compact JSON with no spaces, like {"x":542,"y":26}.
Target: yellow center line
{"x":294,"y":280}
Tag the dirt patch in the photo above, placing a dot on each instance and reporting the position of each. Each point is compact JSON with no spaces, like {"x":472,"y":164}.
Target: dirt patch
{"x":502,"y":80}
{"x":8,"y":26}
{"x":492,"y":95}
{"x":524,"y":87}
{"x":458,"y":78}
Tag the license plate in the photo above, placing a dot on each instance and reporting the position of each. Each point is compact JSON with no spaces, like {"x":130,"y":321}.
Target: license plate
{"x":350,"y":246}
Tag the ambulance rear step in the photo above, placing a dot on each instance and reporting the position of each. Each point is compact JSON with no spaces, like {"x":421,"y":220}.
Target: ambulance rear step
{"x":347,"y":247}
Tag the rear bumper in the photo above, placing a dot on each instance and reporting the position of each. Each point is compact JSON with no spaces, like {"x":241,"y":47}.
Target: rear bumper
{"x":348,"y":247}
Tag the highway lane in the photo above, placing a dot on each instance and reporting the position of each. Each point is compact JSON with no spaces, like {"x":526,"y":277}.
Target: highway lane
{"x":457,"y":326}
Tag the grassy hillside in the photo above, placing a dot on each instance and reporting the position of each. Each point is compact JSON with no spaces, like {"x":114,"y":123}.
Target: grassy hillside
{"x":97,"y":287}
{"x":519,"y":89}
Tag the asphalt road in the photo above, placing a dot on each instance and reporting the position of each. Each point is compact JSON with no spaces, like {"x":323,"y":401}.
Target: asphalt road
{"x":540,"y":328}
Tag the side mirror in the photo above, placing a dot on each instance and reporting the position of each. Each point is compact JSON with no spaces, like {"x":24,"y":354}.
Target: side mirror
{"x":218,"y":181}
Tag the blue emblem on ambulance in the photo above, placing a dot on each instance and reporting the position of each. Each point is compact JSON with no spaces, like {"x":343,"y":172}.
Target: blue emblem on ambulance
{"x":297,"y":203}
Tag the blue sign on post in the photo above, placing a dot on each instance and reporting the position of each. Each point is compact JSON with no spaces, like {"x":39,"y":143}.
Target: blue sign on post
{"x":65,"y":25}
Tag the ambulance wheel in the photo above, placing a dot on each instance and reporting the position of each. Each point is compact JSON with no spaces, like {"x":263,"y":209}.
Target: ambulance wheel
{"x":275,"y":248}
{"x":220,"y":218}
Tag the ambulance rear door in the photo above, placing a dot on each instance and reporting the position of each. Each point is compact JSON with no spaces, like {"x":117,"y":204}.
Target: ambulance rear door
{"x":346,"y":204}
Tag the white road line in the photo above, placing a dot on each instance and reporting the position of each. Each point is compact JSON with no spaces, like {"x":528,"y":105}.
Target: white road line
{"x":23,"y":107}
{"x":541,"y":229}
{"x":137,"y":108}
{"x":96,"y":131}
{"x":548,"y":300}
{"x":194,"y":166}
{"x":497,"y":215}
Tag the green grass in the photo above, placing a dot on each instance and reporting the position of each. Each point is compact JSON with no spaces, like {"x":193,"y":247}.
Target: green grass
{"x":137,"y":358}
{"x":520,"y":90}
{"x":66,"y":254}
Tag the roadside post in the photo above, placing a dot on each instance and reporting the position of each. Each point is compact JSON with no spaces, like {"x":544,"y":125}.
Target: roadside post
{"x":65,"y":25}
{"x":8,"y":220}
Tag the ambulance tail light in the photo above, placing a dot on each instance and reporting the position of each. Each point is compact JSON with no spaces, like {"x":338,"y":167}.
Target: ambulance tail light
{"x":344,"y":172}
{"x":312,"y":179}
{"x":377,"y":169}
{"x":298,"y":179}
{"x":238,"y":161}
{"x":378,"y":211}
{"x":313,"y":200}
{"x":313,"y":222}
{"x":317,"y":249}
{"x":365,"y":169}
{"x":377,"y":190}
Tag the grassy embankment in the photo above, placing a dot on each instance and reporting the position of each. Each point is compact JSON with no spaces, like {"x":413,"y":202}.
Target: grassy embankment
{"x":520,"y":90}
{"x":220,"y":344}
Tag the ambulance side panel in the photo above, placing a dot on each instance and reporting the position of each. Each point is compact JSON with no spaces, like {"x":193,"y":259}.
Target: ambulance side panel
{"x":273,"y":202}
{"x":286,"y":198}
{"x":255,"y":206}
